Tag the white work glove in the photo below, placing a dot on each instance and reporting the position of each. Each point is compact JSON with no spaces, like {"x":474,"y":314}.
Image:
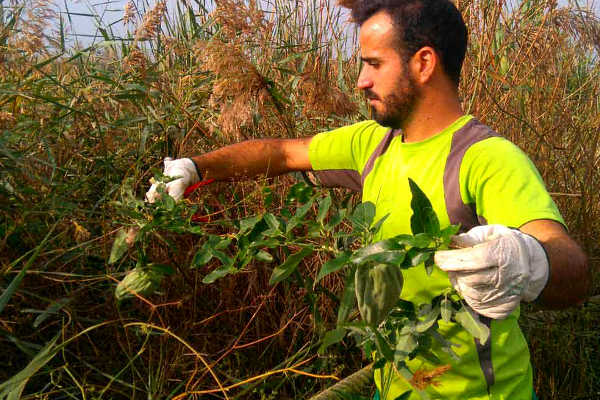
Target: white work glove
{"x":184,"y":169}
{"x":495,"y":269}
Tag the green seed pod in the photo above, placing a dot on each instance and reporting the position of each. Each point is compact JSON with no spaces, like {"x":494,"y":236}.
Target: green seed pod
{"x":142,"y":281}
{"x":377,"y":291}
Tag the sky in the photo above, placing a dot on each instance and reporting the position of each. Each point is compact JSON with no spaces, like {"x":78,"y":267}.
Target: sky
{"x":82,"y":27}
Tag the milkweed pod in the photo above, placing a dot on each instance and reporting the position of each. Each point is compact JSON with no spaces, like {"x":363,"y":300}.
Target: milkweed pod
{"x":377,"y":288}
{"x":141,"y":281}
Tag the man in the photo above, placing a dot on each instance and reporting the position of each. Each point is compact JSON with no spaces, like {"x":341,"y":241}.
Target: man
{"x":412,"y":53}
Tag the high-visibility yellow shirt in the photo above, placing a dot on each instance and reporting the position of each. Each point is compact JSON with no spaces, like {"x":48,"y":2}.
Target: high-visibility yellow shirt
{"x":472,"y":176}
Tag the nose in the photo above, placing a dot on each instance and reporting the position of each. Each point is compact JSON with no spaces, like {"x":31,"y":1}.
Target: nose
{"x":364,"y":81}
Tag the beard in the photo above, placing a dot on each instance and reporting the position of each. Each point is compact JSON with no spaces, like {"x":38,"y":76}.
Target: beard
{"x":397,"y":107}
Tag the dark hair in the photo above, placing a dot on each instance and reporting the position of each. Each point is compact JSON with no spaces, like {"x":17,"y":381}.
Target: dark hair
{"x":419,"y":23}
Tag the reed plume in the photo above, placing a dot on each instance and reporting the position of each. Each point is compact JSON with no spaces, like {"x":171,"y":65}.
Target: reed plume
{"x":128,"y":12}
{"x":150,"y":25}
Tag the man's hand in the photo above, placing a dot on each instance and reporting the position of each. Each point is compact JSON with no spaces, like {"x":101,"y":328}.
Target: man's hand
{"x":496,"y":269}
{"x":184,"y":169}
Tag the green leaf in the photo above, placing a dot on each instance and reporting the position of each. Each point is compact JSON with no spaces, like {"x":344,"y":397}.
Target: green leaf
{"x":119,"y":247}
{"x":472,"y":325}
{"x":268,"y":199}
{"x":424,"y":219}
{"x":447,"y":233}
{"x":377,"y":226}
{"x":379,"y":363}
{"x":16,"y":281}
{"x":162,"y":269}
{"x":348,"y":297}
{"x":257,"y":232}
{"x":420,"y":240}
{"x":12,"y":389}
{"x":360,"y":256}
{"x":314,"y":229}
{"x":405,"y":307}
{"x":289,"y":265}
{"x":363,"y":216}
{"x":416,"y":256}
{"x":333,"y":265}
{"x":383,"y":346}
{"x":203,"y":256}
{"x":222,"y":243}
{"x":299,"y":192}
{"x":424,"y":351}
{"x":332,"y":337}
{"x":243,"y":260}
{"x":405,"y":344}
{"x":357,"y":327}
{"x":206,"y":252}
{"x":428,"y":320}
{"x":272,"y":221}
{"x":264,"y":256}
{"x":270,"y":243}
{"x":224,"y":258}
{"x":218,"y":273}
{"x":165,"y":200}
{"x":212,"y":248}
{"x":445,"y":344}
{"x":446,"y":310}
{"x":299,"y":216}
{"x":404,"y":396}
{"x":196,"y":230}
{"x":392,"y":257}
{"x":50,"y":310}
{"x":335,"y":219}
{"x":429,"y":264}
{"x":324,"y":205}
{"x":247,"y":224}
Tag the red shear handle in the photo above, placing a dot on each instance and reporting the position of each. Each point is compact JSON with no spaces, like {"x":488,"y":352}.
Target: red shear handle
{"x":190,"y":189}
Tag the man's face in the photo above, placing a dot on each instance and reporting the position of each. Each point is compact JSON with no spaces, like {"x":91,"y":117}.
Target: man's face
{"x":384,"y":76}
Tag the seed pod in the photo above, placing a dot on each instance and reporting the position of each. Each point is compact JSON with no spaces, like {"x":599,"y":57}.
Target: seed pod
{"x":142,"y":281}
{"x":377,"y":291}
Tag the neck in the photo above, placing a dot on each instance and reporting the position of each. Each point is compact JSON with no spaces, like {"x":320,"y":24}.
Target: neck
{"x":432,"y":114}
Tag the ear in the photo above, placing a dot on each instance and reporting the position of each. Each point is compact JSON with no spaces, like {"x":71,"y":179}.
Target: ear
{"x":423,"y":64}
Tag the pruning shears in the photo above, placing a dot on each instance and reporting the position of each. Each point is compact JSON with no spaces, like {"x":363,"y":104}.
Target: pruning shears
{"x":191,"y":189}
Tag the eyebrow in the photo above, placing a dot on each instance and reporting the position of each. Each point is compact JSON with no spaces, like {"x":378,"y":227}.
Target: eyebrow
{"x":367,"y":59}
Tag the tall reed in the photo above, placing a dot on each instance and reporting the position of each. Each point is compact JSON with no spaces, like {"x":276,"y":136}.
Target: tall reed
{"x":81,"y":126}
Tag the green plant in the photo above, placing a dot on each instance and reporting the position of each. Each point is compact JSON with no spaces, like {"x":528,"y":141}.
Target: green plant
{"x":391,"y":329}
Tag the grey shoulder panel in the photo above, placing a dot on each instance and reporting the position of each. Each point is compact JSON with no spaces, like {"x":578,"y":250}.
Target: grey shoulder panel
{"x":348,"y":178}
{"x":339,"y":178}
{"x":459,"y":212}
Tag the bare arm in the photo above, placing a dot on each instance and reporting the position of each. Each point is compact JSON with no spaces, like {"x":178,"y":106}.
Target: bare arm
{"x":570,"y":280}
{"x":267,"y":157}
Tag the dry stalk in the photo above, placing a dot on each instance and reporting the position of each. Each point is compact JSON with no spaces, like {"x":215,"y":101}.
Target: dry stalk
{"x":240,"y":94}
{"x":240,"y":18}
{"x":423,"y":377}
{"x":36,"y":16}
{"x":150,"y":25}
{"x":129,"y":12}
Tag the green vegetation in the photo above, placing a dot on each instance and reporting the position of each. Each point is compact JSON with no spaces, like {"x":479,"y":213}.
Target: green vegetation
{"x":246,"y":282}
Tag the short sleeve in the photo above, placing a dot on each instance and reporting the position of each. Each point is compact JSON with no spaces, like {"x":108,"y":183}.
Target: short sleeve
{"x":346,"y":148}
{"x":505,"y":185}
